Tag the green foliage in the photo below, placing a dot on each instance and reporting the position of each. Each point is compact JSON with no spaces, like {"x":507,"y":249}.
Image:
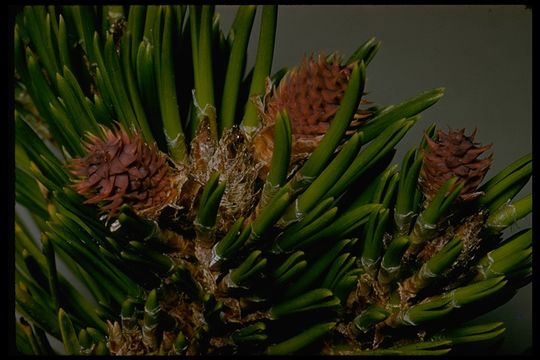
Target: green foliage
{"x":342,"y":239}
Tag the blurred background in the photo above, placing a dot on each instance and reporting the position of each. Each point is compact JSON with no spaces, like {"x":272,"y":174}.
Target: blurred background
{"x":482,"y":55}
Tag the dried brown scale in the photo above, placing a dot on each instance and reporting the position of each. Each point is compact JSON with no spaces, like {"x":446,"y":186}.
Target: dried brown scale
{"x":410,"y":287}
{"x":232,"y":158}
{"x":256,"y":316}
{"x":349,"y":331}
{"x":201,"y":271}
{"x":115,"y":340}
{"x":220,"y":342}
{"x":188,"y":314}
{"x":183,"y":246}
{"x":234,"y":161}
{"x":435,"y":245}
{"x":454,"y":155}
{"x":370,"y":291}
{"x":346,"y":334}
{"x":167,"y":342}
{"x":233,"y":311}
{"x":379,"y":335}
{"x":128,"y":344}
{"x":132,"y":343}
{"x":203,"y":147}
{"x":470,"y":231}
{"x":186,"y":204}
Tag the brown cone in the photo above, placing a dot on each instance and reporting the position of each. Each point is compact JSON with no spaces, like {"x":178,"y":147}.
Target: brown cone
{"x":311,"y":94}
{"x":454,"y":155}
{"x":122,"y":169}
